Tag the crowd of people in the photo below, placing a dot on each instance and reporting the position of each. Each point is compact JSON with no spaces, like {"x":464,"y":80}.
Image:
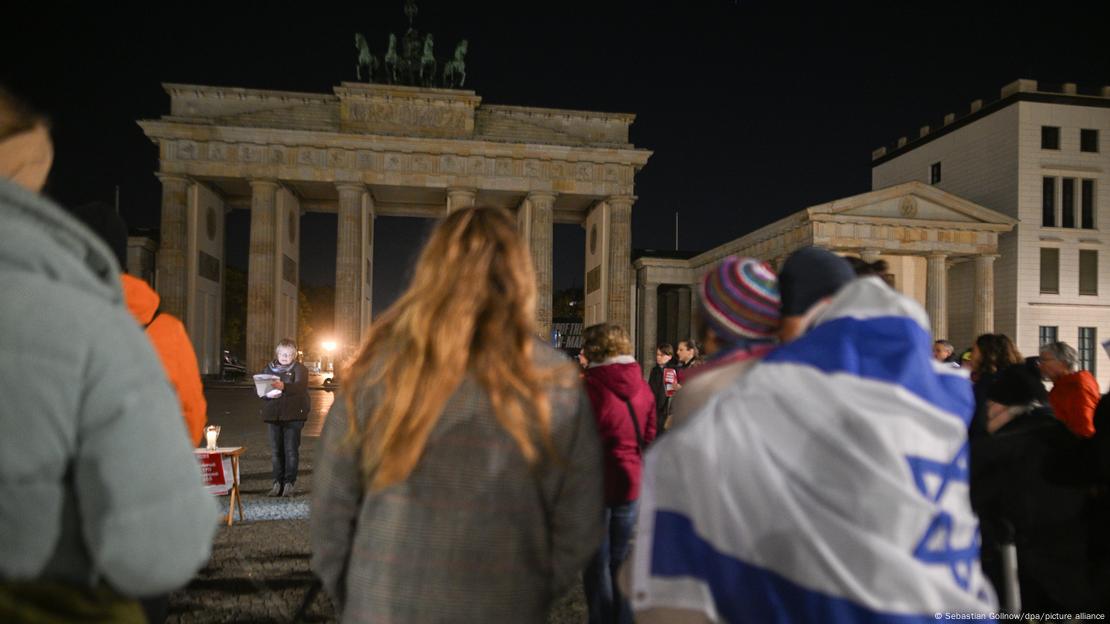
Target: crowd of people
{"x":811,"y":454}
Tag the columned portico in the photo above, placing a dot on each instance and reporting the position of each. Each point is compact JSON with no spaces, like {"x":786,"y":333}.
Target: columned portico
{"x":983,"y":319}
{"x":172,"y":276}
{"x":370,"y":149}
{"x":920,"y":230}
{"x":537,"y":212}
{"x":620,"y":261}
{"x":262,"y":274}
{"x":936,"y":293}
{"x":352,"y":273}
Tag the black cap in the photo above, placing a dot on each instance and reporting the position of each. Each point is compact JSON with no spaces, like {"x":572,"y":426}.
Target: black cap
{"x":808,"y":276}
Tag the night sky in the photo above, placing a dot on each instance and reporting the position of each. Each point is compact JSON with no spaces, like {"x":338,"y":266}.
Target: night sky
{"x":754,"y":110}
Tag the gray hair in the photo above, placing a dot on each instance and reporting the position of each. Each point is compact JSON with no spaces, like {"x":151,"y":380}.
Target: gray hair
{"x":1063,"y":352}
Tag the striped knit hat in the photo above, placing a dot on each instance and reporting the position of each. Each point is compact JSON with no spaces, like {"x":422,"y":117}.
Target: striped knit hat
{"x":740,"y":300}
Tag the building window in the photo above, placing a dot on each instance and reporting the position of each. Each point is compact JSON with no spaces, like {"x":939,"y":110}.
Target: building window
{"x":1050,"y":137}
{"x":934,"y":173}
{"x":1047,"y":334}
{"x":1067,"y":202}
{"x":1088,"y":140}
{"x":1087,"y":204}
{"x":1087,"y":349}
{"x":1050,"y":271}
{"x":1048,"y":203}
{"x":1088,"y":272}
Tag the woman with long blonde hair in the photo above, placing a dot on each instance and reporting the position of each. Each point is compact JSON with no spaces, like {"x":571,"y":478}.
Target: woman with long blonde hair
{"x":459,"y":479}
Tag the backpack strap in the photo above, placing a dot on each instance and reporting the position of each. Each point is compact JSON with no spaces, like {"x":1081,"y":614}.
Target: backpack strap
{"x":636,"y":426}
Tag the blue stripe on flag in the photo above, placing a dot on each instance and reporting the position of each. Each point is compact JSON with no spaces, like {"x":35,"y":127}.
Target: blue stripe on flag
{"x":744,"y":592}
{"x":893,"y":349}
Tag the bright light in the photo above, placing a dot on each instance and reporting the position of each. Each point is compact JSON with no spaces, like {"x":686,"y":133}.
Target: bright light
{"x":329,"y":346}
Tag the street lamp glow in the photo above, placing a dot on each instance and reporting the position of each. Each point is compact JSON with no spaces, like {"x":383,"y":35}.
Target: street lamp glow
{"x":329,"y":346}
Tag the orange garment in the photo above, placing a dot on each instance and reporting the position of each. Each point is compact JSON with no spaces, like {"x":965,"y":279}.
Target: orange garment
{"x":174,"y":348}
{"x":1074,"y":398}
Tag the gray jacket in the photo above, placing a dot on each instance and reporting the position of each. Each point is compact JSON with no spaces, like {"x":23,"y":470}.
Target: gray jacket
{"x":97,"y":478}
{"x":473,"y":535}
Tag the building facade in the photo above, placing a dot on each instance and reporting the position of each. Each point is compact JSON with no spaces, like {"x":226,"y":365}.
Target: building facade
{"x":918,"y":229}
{"x":367,"y":150}
{"x":1038,"y":155}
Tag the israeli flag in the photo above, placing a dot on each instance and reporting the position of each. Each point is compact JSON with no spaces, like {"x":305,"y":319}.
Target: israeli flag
{"x":829,"y":484}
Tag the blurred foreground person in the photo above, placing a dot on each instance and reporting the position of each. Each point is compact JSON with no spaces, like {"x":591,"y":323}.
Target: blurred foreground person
{"x":829,"y":484}
{"x":459,"y":479}
{"x":101,"y":499}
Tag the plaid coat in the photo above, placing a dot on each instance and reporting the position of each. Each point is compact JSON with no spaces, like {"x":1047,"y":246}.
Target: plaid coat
{"x":473,"y":534}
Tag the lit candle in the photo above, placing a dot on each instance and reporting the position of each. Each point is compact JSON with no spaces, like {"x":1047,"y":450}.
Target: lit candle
{"x":211,"y":434}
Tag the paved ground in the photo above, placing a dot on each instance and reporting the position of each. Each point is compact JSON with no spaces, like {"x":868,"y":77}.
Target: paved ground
{"x":259,"y":567}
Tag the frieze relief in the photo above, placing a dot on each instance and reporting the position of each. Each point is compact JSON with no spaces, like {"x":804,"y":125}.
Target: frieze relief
{"x":250,"y":153}
{"x":217,"y":151}
{"x":399,"y":162}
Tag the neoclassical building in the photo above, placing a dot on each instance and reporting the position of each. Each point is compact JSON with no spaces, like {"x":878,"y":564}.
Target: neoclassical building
{"x":367,"y":150}
{"x":1038,"y":154}
{"x":921,"y":231}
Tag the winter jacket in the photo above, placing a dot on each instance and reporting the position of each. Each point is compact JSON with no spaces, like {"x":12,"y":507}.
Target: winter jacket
{"x":659,"y":388}
{"x":1074,"y":398}
{"x":609,"y":385}
{"x":1010,"y":485}
{"x":473,"y":534}
{"x":97,"y":480}
{"x":174,"y":348}
{"x":293,"y":404}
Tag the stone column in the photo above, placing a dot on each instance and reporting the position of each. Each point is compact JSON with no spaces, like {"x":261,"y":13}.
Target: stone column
{"x":670,"y":317}
{"x":172,"y":274}
{"x":983,"y":320}
{"x":936,"y":294}
{"x":685,"y":312}
{"x":262,"y":275}
{"x":348,"y":269}
{"x":460,"y":198}
{"x":620,"y":260}
{"x":540,"y":238}
{"x":869,"y":255}
{"x":649,"y":322}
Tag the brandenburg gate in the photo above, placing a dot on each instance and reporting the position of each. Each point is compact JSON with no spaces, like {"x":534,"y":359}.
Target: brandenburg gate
{"x":367,"y":150}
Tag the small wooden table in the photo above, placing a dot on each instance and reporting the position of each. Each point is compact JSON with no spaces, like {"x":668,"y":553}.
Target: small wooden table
{"x":216,"y":480}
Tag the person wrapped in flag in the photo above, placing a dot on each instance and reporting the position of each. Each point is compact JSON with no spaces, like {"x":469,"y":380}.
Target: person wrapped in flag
{"x":827,"y":484}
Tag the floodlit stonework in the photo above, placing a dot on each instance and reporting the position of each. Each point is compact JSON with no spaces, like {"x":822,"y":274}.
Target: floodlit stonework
{"x":920,"y":230}
{"x":994,"y":156}
{"x":368,"y":150}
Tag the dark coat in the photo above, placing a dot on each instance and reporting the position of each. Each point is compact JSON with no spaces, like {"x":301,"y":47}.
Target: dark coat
{"x":659,"y":389}
{"x":293,"y":404}
{"x":1011,"y":486}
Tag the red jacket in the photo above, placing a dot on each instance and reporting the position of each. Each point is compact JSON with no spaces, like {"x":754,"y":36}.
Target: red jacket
{"x":609,"y":386}
{"x":174,"y":348}
{"x":1074,"y":398}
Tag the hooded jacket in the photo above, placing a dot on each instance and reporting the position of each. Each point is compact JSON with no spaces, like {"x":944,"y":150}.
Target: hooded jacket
{"x":174,"y":348}
{"x":97,"y":481}
{"x":609,"y":385}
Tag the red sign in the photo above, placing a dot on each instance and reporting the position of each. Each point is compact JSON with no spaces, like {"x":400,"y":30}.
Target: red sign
{"x":216,"y":470}
{"x":670,"y":378}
